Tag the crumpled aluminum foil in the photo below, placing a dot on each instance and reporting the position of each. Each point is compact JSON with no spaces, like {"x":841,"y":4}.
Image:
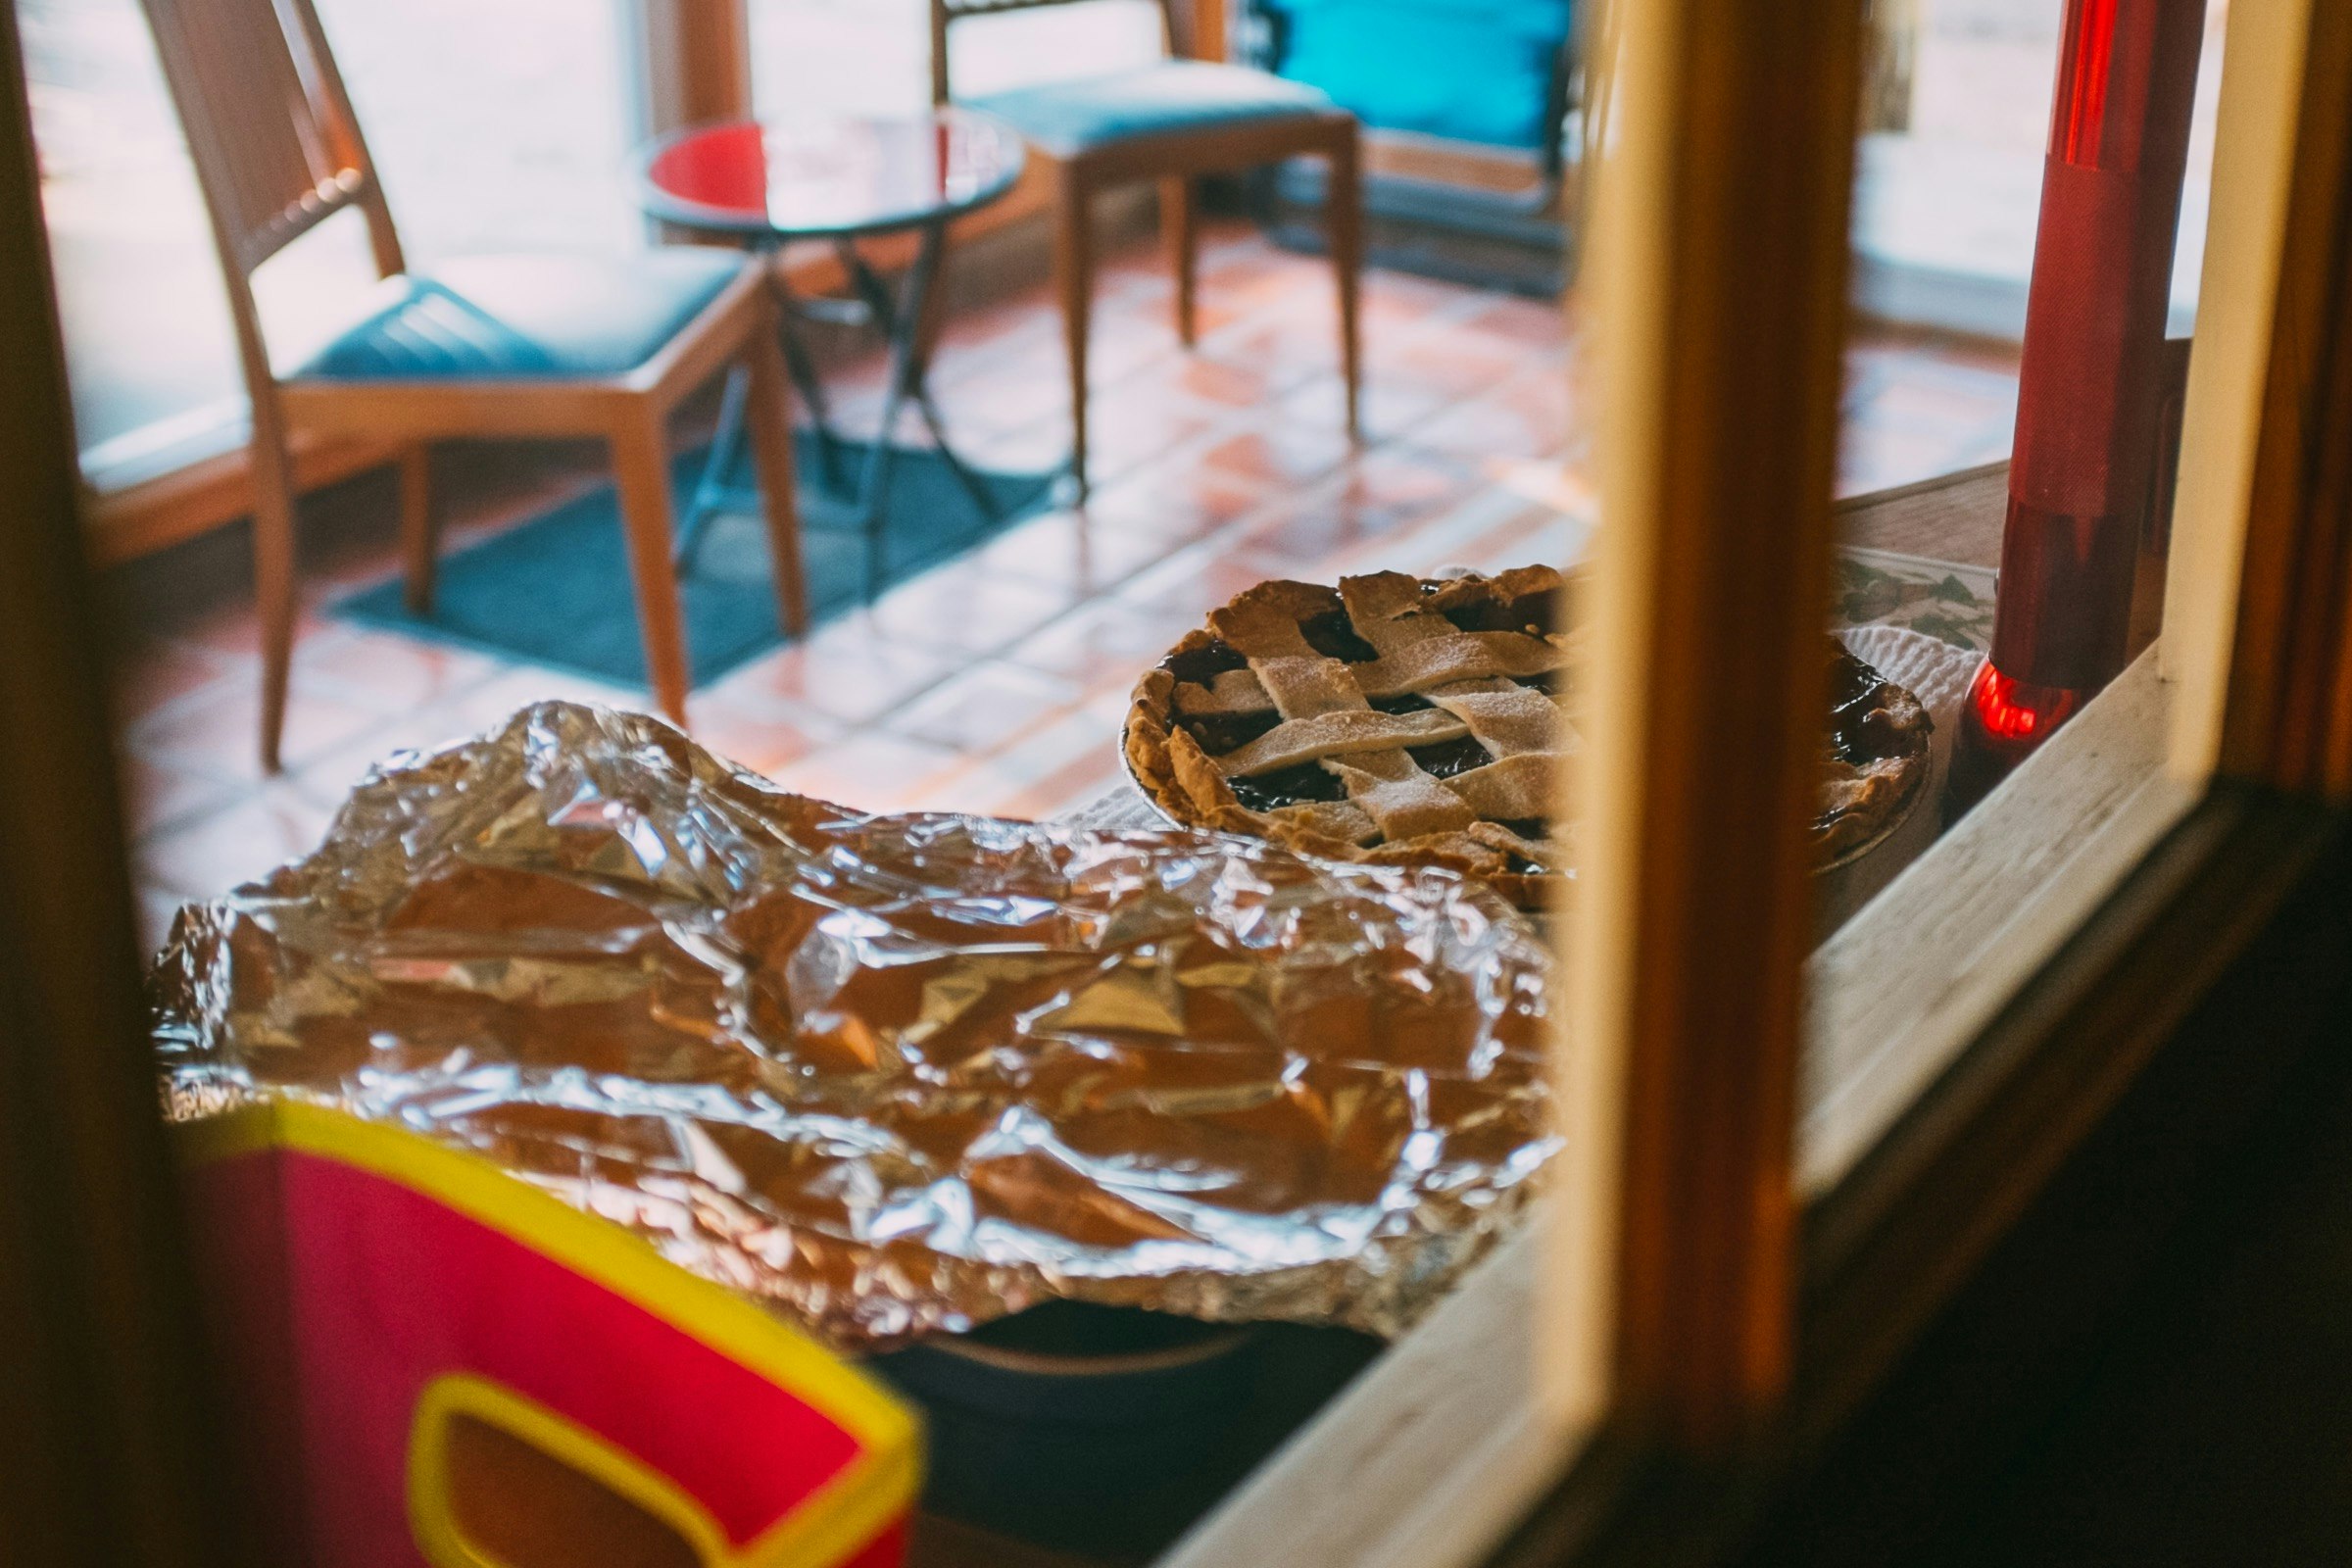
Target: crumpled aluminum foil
{"x":890,"y":1074}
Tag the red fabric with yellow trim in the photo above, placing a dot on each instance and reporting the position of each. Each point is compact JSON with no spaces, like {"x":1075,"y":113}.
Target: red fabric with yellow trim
{"x":372,"y":1289}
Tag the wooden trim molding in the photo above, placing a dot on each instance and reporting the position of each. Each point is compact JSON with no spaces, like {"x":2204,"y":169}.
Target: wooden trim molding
{"x":696,"y":59}
{"x":1425,"y":1460}
{"x":1976,"y":1145}
{"x":214,"y":490}
{"x":1720,"y":255}
{"x":111,"y":1451}
{"x":1211,"y":30}
{"x":2119,"y":999}
{"x":2259,"y":628}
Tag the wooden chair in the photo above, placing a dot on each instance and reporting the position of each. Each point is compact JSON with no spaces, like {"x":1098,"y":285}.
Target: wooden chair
{"x":1171,"y":120}
{"x":522,"y":346}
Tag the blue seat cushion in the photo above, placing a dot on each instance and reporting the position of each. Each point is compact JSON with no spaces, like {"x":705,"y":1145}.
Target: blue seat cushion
{"x":1168,"y":95}
{"x":525,"y":318}
{"x":1473,"y":70}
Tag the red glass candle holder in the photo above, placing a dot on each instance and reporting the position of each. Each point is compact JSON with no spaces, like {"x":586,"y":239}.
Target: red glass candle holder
{"x":2091,"y":381}
{"x":2001,"y":721}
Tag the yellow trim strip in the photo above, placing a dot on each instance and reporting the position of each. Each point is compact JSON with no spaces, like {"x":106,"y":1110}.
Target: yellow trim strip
{"x":433,"y":1514}
{"x":817,"y":1535}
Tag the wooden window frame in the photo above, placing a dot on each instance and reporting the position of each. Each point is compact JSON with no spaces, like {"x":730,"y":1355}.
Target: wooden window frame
{"x":109,"y":1452}
{"x":1437,"y":1453}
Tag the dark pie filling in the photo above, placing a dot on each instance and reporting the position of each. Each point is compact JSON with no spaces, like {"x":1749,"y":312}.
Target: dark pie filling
{"x":1860,"y":730}
{"x":1535,"y":831}
{"x":1222,"y":733}
{"x":1550,"y":682}
{"x":1289,"y":786}
{"x":1447,"y":759}
{"x":1202,"y":665}
{"x":1534,"y":613}
{"x":1333,"y":635}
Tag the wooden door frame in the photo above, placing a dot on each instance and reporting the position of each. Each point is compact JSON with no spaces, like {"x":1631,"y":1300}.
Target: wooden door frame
{"x":2036,"y":1076}
{"x":109,"y":1452}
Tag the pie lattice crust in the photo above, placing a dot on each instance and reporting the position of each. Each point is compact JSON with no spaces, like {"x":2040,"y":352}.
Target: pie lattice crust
{"x":1401,"y":720}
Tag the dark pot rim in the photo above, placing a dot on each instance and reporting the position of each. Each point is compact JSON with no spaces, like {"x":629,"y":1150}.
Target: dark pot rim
{"x":1211,"y":1347}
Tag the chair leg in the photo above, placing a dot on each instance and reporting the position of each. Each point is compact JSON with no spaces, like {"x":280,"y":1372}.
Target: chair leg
{"x":1343,"y":208}
{"x":273,"y":588}
{"x":1074,"y":273}
{"x":1179,"y":232}
{"x":771,"y":415}
{"x":419,"y":527}
{"x":641,"y":474}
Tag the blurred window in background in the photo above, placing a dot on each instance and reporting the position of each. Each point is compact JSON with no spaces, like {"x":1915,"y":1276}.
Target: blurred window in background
{"x":1945,"y":207}
{"x":873,"y":56}
{"x":498,"y":125}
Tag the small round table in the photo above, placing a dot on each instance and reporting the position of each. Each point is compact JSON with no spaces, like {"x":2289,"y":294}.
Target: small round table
{"x":843,"y":179}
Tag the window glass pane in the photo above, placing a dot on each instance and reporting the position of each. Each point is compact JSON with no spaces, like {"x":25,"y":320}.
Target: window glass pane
{"x":996,"y":54}
{"x":2007,"y":600}
{"x":873,"y":56}
{"x":147,"y":334}
{"x":1950,"y":189}
{"x":502,"y":125}
{"x":864,"y":57}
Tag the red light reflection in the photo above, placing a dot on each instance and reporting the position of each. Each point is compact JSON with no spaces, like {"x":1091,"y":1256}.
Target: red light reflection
{"x":2013,"y":713}
{"x":2082,"y":82}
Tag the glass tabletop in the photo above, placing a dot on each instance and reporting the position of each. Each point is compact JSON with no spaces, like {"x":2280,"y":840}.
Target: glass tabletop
{"x":828,"y":175}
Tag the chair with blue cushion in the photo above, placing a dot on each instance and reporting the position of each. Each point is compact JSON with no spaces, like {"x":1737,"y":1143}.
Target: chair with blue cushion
{"x":1172,"y":120}
{"x":518,"y":346}
{"x":1468,"y":106}
{"x":1488,"y":73}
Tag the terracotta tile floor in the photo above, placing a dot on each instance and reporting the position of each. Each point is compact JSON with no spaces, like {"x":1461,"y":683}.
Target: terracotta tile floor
{"x":996,"y":681}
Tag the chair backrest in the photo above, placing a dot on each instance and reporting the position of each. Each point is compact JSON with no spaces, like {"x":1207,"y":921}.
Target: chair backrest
{"x":269,"y":125}
{"x":947,"y":12}
{"x":277,"y":148}
{"x":1483,"y":72}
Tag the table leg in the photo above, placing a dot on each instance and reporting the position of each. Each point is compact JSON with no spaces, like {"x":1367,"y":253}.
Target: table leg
{"x":899,"y":320}
{"x":982,"y":502}
{"x":810,"y":388}
{"x":899,"y":315}
{"x":716,"y":488}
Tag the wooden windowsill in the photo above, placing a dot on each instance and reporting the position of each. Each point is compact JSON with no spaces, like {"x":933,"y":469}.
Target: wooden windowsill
{"x":1901,"y":988}
{"x":1426,"y":1459}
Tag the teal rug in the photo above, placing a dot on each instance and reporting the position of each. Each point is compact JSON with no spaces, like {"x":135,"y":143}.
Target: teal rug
{"x":555,"y":591}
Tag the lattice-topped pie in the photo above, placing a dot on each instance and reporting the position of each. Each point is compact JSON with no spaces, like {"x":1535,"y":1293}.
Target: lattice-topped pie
{"x":1402,"y":720}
